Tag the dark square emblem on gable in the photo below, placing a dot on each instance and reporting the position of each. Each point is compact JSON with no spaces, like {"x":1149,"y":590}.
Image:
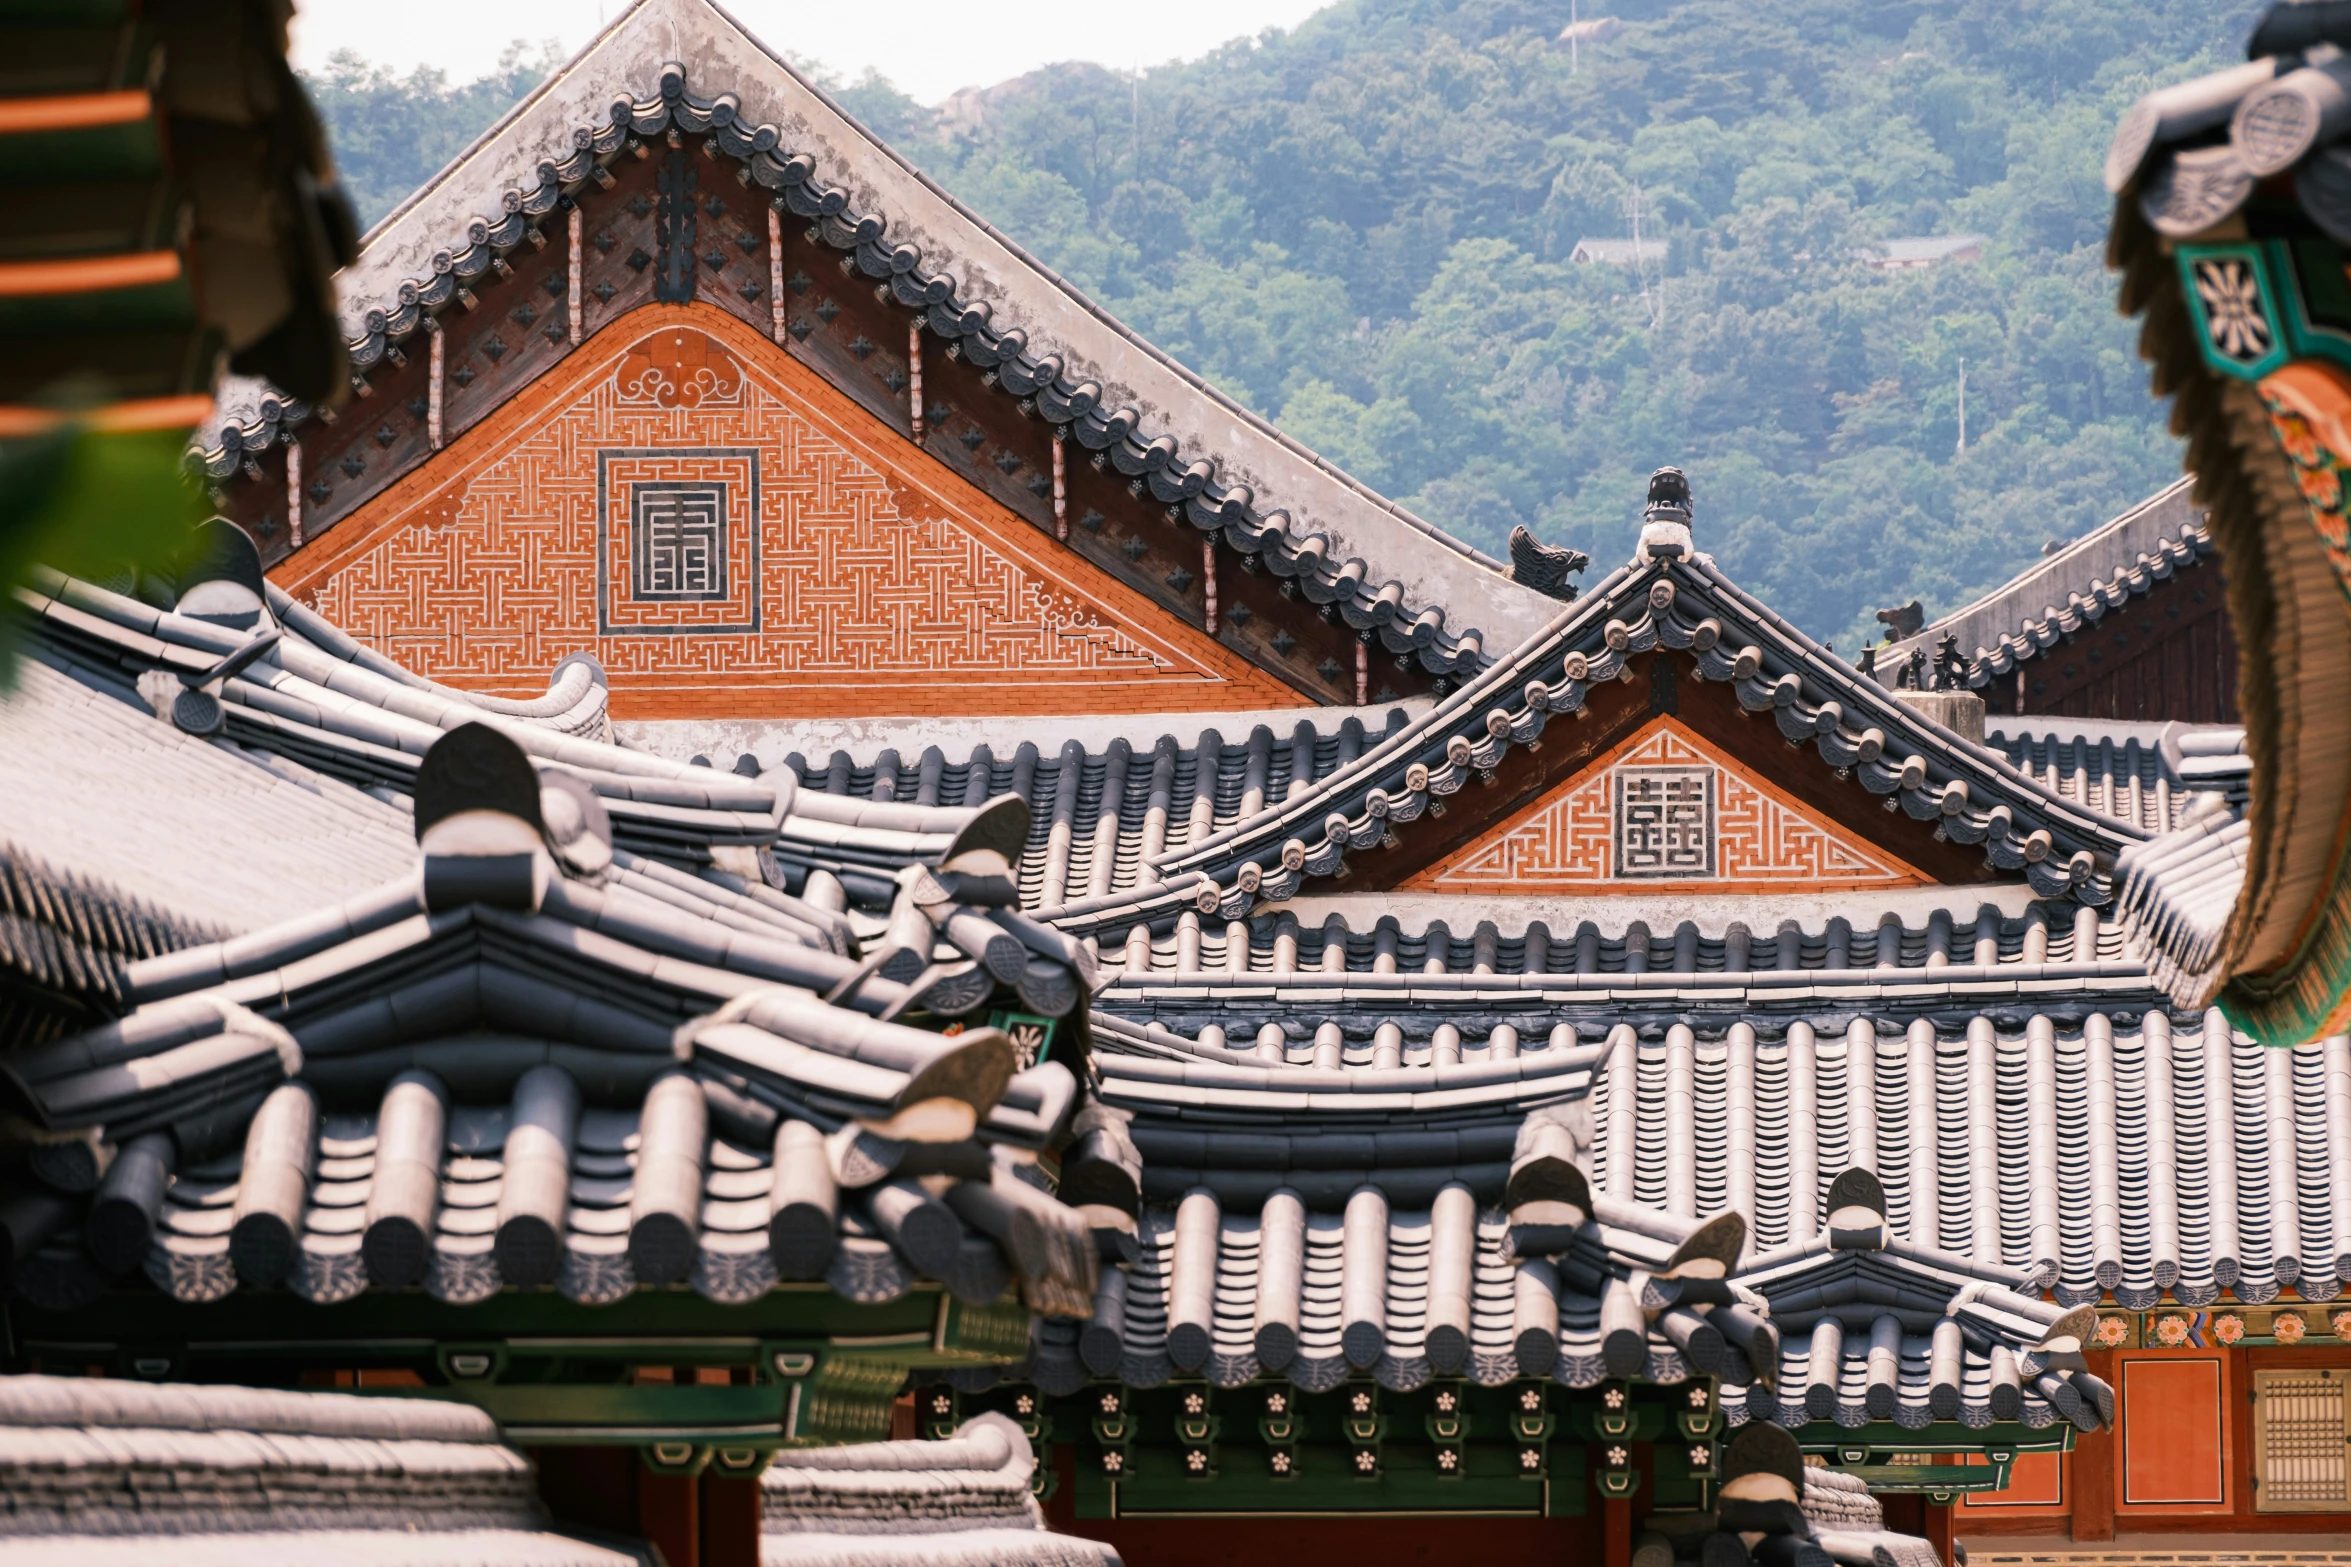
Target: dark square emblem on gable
{"x":678,"y":542}
{"x":1664,"y":828}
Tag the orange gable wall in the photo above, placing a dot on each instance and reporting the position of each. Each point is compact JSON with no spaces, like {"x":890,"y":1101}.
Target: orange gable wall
{"x":850,"y":574}
{"x":1760,"y":838}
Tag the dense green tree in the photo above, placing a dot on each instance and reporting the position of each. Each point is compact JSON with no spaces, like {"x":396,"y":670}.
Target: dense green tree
{"x":1361,"y":228}
{"x":391,"y":133}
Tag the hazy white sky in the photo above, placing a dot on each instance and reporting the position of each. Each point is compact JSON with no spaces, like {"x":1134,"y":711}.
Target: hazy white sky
{"x":928,"y":47}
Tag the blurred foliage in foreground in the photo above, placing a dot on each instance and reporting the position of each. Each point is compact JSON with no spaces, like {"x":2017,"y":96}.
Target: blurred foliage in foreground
{"x":90,"y":503}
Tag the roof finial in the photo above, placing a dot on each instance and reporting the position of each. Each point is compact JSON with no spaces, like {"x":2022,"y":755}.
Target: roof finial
{"x":480,"y":822}
{"x":1665,"y":523}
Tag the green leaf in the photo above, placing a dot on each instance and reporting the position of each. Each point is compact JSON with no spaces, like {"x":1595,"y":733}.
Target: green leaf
{"x":89,"y":503}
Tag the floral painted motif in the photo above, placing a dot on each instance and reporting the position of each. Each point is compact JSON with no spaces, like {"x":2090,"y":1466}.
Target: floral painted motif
{"x":678,"y":368}
{"x":2228,"y":1328}
{"x":2341,"y":1323}
{"x":2171,"y":1330}
{"x":2288,"y":1327}
{"x":2317,"y":470}
{"x":2310,"y":415}
{"x":2234,"y":315}
{"x":2113,"y":1331}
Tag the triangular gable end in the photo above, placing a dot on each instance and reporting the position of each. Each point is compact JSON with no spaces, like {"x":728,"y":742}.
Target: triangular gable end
{"x":1665,"y":810}
{"x":731,"y":536}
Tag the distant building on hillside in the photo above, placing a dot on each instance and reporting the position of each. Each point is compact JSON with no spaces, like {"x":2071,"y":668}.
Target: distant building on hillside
{"x":1594,"y":30}
{"x":1618,"y":252}
{"x":1925,"y":251}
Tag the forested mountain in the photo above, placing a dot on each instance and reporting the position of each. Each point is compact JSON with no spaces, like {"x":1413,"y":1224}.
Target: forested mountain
{"x":1362,"y":228}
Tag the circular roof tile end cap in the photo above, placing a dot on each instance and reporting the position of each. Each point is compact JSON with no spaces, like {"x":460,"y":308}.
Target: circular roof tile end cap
{"x":588,"y":661}
{"x":2071,"y":1331}
{"x":954,"y":1090}
{"x":476,"y":768}
{"x":1712,"y":1249}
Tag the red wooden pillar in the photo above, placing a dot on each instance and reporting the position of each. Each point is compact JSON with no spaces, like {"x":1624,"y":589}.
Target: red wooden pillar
{"x":1616,"y":1512}
{"x":594,"y":1487}
{"x":709,"y":1520}
{"x":730,"y":1521}
{"x":2090,"y":1480}
{"x":1938,"y":1530}
{"x":669,"y":1515}
{"x":1616,"y":1531}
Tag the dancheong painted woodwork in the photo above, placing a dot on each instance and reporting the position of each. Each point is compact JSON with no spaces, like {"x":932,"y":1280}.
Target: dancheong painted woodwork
{"x":2231,"y":245}
{"x":676,"y":202}
{"x":176,"y":202}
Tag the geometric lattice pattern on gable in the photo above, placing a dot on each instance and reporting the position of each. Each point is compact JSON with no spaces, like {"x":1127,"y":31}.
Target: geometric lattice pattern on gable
{"x":1664,"y":811}
{"x":732,"y":537}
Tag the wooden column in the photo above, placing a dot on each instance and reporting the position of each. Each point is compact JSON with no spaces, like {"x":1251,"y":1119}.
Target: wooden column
{"x":591,"y":1487}
{"x":2237,"y":1433}
{"x":1061,"y":496}
{"x":775,"y":271}
{"x":1207,"y":573}
{"x":730,"y":1521}
{"x":1937,"y":1530}
{"x":433,"y":421}
{"x":1616,"y":1531}
{"x":1614,"y":1514}
{"x":669,"y":1515}
{"x":2090,"y":1477}
{"x":293,"y":493}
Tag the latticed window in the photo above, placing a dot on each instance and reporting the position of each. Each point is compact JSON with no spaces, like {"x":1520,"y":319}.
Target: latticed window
{"x":2301,"y":1441}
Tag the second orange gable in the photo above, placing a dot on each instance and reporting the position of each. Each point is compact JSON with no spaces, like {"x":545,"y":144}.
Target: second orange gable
{"x":1665,"y":811}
